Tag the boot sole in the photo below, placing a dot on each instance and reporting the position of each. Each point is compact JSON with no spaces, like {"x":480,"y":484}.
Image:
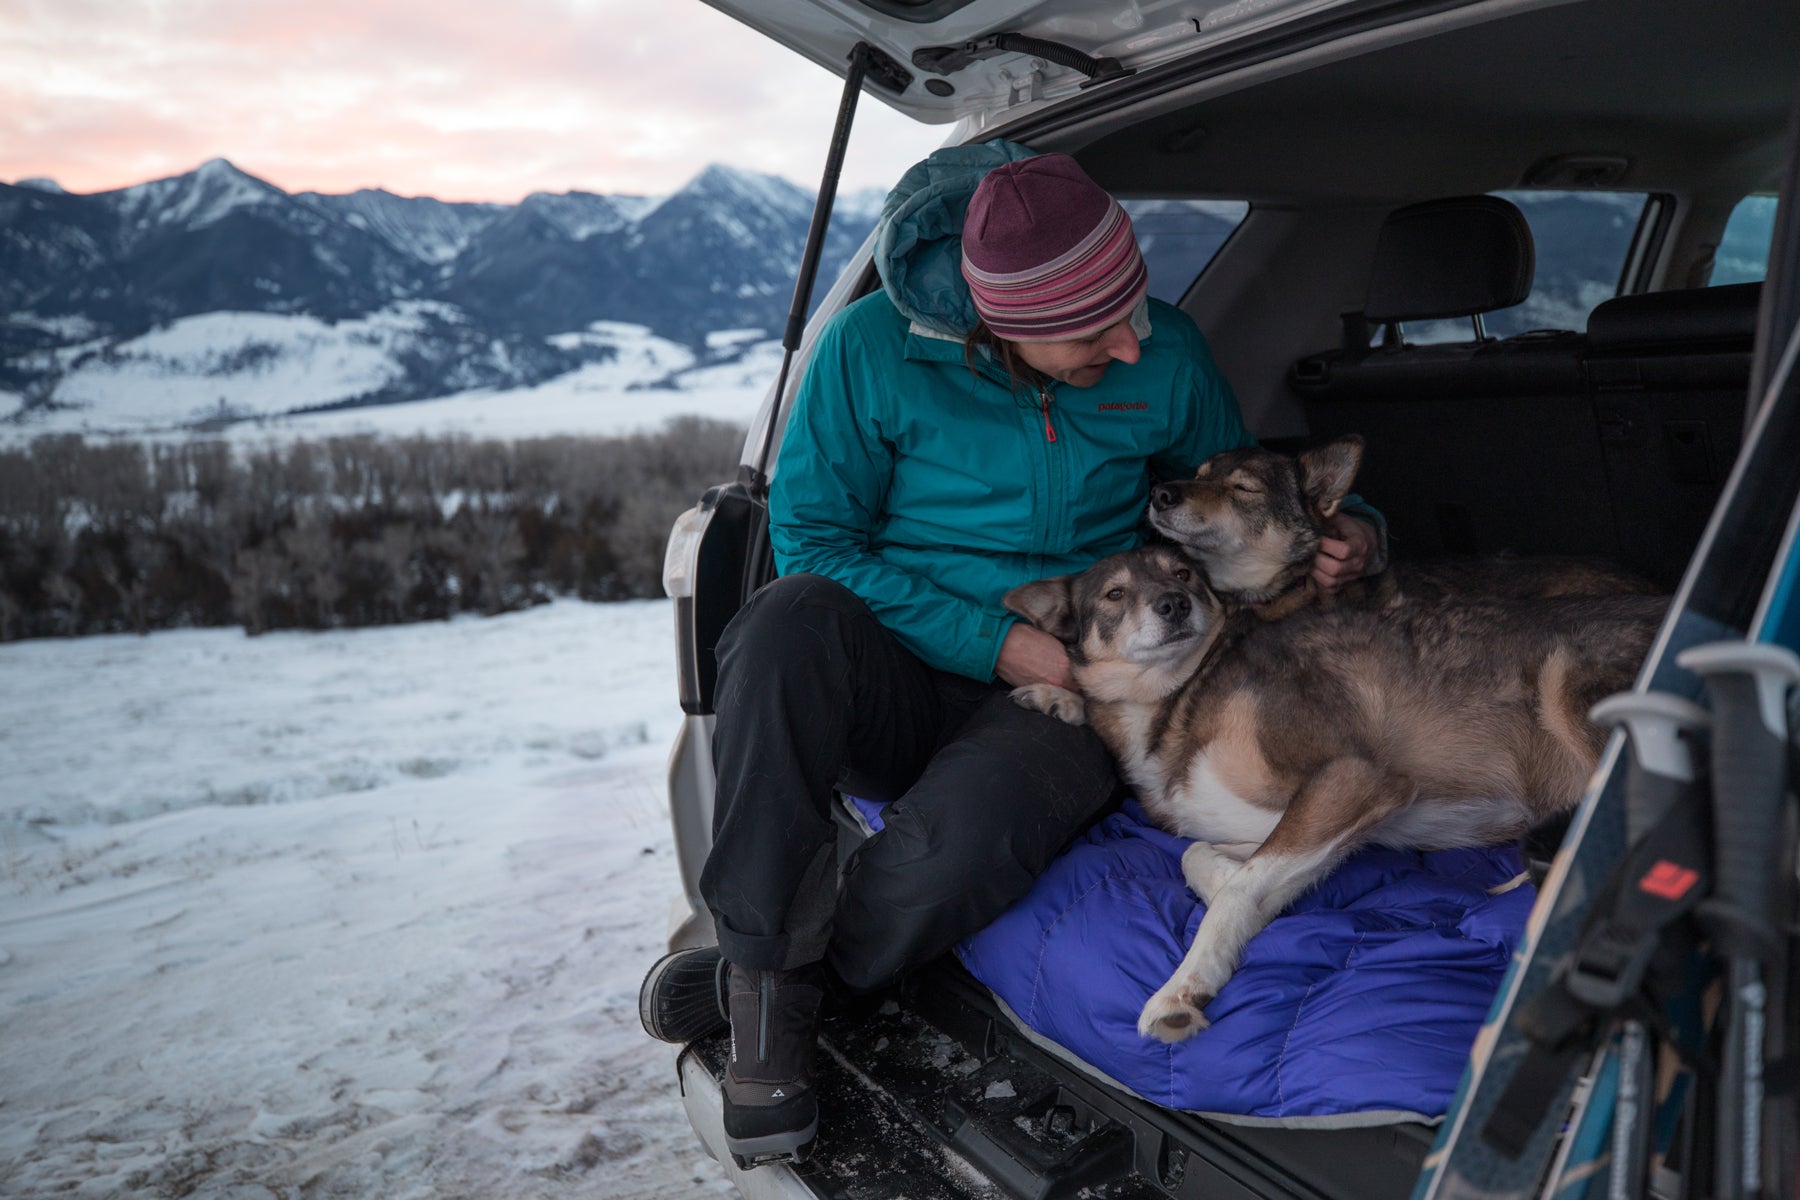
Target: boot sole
{"x":790,"y":1146}
{"x":646,"y":1007}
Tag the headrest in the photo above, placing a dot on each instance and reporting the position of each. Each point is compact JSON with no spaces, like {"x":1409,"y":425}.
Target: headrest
{"x":1714,"y":314}
{"x":1450,"y":258}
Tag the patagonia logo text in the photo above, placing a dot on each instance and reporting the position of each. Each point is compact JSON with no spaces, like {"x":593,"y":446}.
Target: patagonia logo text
{"x":1140,"y":406}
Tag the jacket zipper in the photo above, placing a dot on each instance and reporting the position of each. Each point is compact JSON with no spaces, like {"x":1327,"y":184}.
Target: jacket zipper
{"x":765,"y":984}
{"x":1044,"y":405}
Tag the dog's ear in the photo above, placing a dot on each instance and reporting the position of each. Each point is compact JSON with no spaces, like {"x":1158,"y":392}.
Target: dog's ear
{"x":1326,"y":473}
{"x":1049,"y":604}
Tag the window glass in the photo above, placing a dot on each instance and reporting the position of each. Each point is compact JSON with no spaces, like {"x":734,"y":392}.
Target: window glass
{"x":1743,"y":254}
{"x":1581,"y":239}
{"x":1179,"y":237}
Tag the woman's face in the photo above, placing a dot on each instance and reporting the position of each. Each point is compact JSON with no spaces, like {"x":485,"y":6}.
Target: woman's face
{"x":1083,"y":361}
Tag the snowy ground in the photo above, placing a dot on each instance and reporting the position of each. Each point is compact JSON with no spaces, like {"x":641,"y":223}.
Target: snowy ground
{"x":258,"y":366}
{"x":359,"y":913}
{"x":584,"y":402}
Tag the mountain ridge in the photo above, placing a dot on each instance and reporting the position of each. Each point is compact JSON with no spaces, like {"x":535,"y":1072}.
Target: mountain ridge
{"x":83,"y":275}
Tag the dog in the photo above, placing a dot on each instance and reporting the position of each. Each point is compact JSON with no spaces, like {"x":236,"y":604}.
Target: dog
{"x":1280,"y":747}
{"x":1254,"y":517}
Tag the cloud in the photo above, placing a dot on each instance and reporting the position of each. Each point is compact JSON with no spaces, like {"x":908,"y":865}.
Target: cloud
{"x":465,"y":101}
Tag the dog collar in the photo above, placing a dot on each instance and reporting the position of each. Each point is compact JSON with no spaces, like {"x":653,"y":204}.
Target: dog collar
{"x":1288,"y":599}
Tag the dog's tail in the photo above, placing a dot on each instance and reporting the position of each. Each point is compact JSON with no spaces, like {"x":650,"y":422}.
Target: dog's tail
{"x":1601,"y":654}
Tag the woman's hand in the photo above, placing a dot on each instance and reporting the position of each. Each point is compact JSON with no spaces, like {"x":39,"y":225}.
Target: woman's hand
{"x":1344,"y":553}
{"x":1029,"y":655}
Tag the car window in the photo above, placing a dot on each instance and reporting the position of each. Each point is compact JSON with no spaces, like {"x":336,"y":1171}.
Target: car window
{"x":1743,"y":254}
{"x":1179,"y":237}
{"x":1581,"y":240}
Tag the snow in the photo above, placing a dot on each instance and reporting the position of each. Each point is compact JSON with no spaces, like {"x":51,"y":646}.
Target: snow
{"x":582,"y":215}
{"x":751,"y":372}
{"x":582,"y":402}
{"x":186,"y":370}
{"x":863,"y":203}
{"x":431,"y":231}
{"x":69,"y":328}
{"x":204,"y":196}
{"x":757,"y":190}
{"x":354,"y":913}
{"x":648,"y":382}
{"x":724,"y":339}
{"x":150,"y":386}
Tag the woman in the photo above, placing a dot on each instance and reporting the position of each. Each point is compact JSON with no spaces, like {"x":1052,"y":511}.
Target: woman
{"x":994,"y":415}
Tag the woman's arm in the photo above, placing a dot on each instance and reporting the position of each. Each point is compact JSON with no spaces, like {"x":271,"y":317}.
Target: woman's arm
{"x":829,"y":496}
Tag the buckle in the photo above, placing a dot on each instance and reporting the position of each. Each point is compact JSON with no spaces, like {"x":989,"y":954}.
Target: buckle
{"x":1609,"y":965}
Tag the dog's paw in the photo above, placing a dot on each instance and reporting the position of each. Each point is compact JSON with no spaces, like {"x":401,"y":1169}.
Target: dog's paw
{"x":1057,"y":702}
{"x":1173,"y":1014}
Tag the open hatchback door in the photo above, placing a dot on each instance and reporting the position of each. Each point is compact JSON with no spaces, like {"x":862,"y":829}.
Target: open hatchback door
{"x":1640,"y":405}
{"x":983,"y":60}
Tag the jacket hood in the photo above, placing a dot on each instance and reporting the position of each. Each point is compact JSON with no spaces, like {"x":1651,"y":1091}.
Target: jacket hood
{"x":918,"y":240}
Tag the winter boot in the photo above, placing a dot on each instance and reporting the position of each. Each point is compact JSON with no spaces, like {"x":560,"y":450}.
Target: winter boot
{"x":683,"y":996}
{"x":771,"y":1113}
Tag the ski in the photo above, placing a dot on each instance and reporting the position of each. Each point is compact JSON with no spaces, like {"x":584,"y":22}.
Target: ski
{"x":1739,"y":586}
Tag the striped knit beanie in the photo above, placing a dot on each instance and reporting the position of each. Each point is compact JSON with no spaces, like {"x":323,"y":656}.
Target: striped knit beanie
{"x":1049,"y":256}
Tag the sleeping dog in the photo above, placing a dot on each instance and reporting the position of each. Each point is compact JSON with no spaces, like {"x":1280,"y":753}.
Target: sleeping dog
{"x":1253,"y":518}
{"x":1282,"y":746}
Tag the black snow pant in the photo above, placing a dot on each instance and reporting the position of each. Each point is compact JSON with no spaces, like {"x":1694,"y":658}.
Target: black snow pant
{"x":812,"y":690}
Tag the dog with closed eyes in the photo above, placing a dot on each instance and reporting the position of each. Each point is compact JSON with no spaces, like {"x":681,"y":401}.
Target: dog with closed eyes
{"x":1282,"y":746}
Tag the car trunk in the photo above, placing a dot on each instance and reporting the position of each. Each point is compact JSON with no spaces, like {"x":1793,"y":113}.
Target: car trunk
{"x":935,"y":1089}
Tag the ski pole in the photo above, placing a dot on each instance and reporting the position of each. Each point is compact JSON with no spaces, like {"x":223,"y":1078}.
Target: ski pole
{"x":1660,"y":774}
{"x":1748,"y":682}
{"x":1659,"y":727}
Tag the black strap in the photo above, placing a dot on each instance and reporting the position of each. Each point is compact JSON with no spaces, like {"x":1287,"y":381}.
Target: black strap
{"x":1620,"y":966}
{"x":1519,"y":1113}
{"x":1662,"y":880}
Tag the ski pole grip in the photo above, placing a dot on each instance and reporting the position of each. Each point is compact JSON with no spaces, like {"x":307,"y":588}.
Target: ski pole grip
{"x":1660,"y":729}
{"x":1748,"y":682}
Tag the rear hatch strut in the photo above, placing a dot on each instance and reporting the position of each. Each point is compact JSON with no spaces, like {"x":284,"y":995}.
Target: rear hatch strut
{"x":719,"y":551}
{"x":879,"y":68}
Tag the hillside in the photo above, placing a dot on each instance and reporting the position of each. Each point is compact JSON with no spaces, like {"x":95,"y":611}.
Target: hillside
{"x":212,"y":297}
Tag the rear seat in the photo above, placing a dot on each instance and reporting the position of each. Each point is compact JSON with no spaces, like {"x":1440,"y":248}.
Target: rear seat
{"x":1613,"y":444}
{"x":1472,"y":447}
{"x":1668,"y":376}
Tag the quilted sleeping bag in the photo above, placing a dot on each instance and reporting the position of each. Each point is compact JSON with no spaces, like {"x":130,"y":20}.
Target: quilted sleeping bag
{"x":1359,"y":1004}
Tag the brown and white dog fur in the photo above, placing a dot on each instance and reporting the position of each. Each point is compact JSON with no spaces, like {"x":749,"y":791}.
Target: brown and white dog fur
{"x":1282,"y":746}
{"x":1253,"y":518}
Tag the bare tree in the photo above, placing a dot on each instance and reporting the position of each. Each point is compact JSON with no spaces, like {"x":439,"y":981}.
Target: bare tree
{"x":97,"y":536}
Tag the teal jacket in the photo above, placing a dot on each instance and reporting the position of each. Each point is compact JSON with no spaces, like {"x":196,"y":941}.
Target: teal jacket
{"x":930,"y":490}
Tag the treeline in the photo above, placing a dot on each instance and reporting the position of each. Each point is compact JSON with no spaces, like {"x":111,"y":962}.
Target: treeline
{"x":106,"y":537}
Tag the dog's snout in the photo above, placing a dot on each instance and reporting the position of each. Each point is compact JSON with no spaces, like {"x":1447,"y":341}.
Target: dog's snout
{"x":1174,"y":606}
{"x":1163,"y":497}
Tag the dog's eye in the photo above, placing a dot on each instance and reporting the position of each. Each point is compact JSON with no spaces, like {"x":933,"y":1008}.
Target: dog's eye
{"x":1247,"y":489}
{"x":1115,"y":593}
{"x":1183,"y":574}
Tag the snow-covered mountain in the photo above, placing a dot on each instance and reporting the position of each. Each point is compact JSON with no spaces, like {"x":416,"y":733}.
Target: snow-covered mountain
{"x":430,"y":230}
{"x":191,"y":202}
{"x":214,"y":295}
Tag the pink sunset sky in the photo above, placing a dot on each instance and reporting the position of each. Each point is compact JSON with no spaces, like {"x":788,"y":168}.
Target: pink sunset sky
{"x":458,"y":99}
